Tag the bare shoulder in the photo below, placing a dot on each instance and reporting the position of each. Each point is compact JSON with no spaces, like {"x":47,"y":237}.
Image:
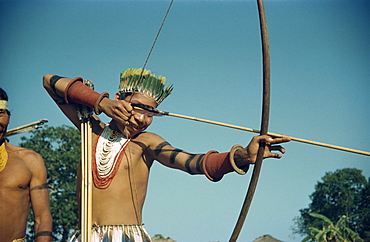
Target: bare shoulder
{"x":149,"y":139}
{"x":24,"y":154}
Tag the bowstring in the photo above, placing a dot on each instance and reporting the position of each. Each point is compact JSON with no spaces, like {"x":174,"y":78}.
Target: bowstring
{"x":156,"y":37}
{"x":131,"y":167}
{"x":154,"y":42}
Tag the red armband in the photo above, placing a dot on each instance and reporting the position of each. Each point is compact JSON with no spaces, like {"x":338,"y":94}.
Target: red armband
{"x":215,"y":165}
{"x":77,"y":92}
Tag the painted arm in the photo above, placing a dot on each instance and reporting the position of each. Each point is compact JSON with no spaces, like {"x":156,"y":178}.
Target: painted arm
{"x":40,"y":202}
{"x":213,"y":164}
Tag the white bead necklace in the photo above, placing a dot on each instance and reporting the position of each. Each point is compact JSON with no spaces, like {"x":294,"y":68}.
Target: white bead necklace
{"x":107,"y":153}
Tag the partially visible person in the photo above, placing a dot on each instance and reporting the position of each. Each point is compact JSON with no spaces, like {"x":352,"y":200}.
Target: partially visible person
{"x":22,"y":183}
{"x":123,"y":152}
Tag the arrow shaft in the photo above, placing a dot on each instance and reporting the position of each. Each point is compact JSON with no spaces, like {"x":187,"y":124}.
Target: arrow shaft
{"x":25,"y":128}
{"x":269,"y":133}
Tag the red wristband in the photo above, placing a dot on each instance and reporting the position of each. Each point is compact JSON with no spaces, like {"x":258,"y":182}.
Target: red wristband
{"x":215,"y":165}
{"x":77,"y":92}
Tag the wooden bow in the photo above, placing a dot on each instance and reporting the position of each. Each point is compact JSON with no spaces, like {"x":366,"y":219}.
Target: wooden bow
{"x":264,"y":122}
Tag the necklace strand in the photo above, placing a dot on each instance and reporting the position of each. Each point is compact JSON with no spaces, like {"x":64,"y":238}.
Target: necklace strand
{"x":107,"y":156}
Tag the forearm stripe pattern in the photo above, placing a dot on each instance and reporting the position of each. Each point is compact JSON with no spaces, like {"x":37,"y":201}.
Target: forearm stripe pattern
{"x":187,"y":164}
{"x":199,"y":163}
{"x":159,"y":148}
{"x":53,"y":80}
{"x":173,"y":155}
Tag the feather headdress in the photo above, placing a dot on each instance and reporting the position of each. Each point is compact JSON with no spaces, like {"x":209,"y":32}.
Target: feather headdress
{"x":146,"y":83}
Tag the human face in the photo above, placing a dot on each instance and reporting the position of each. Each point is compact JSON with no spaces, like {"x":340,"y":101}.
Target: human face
{"x":4,"y":121}
{"x":139,"y":121}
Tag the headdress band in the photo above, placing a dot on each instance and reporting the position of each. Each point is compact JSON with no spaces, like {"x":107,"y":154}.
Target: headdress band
{"x":3,"y":104}
{"x":144,"y":82}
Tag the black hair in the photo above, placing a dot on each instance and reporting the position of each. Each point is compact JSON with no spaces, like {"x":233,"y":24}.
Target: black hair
{"x":4,"y":96}
{"x":123,"y":95}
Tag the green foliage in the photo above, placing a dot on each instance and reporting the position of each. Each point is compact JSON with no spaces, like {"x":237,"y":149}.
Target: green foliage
{"x":60,"y":147}
{"x":345,"y":192}
{"x":159,"y":236}
{"x":331,"y":232}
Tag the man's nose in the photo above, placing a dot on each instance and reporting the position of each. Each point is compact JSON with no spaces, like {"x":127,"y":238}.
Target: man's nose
{"x":139,"y":116}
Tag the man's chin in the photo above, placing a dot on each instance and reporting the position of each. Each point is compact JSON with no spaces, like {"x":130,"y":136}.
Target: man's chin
{"x":134,"y":131}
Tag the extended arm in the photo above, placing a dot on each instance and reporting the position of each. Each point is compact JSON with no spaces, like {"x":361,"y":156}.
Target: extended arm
{"x":213,"y":164}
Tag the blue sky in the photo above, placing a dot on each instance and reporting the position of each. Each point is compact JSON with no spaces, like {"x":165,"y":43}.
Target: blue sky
{"x":211,"y":52}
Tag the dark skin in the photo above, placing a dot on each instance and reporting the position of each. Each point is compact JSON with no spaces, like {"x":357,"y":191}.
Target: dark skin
{"x":22,"y":183}
{"x":122,"y":201}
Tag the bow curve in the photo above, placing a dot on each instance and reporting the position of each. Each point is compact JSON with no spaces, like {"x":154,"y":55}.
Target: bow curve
{"x":264,"y":122}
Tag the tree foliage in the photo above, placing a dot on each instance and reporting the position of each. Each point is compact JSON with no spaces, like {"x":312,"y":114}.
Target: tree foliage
{"x":331,"y":232}
{"x":345,"y":192}
{"x":60,"y":147}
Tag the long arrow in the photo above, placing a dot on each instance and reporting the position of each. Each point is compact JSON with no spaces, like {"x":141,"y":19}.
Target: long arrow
{"x":25,"y":128}
{"x":148,"y":110}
